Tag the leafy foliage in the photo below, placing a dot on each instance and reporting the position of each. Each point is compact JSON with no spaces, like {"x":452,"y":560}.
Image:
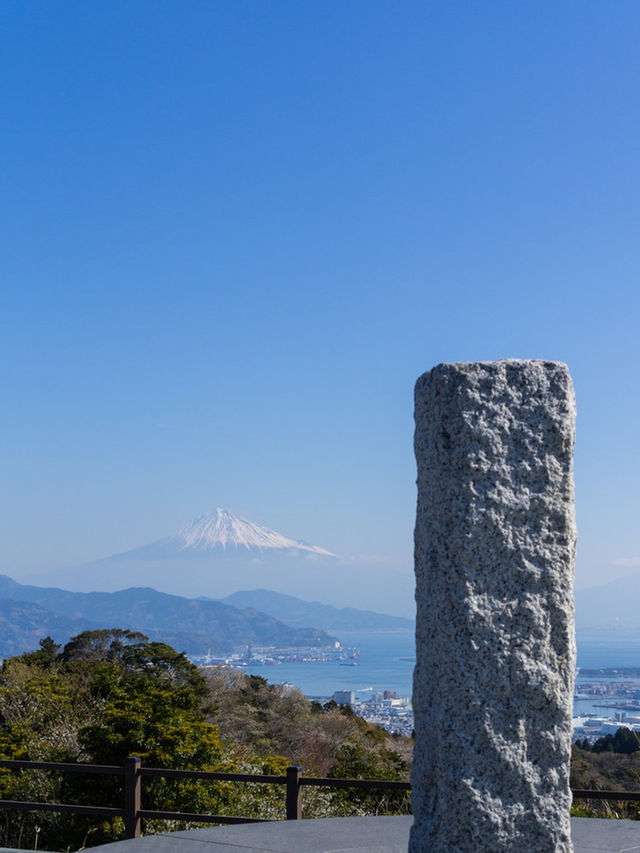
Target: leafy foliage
{"x":105,"y":696}
{"x":110,"y":694}
{"x":624,"y":741}
{"x":604,"y":769}
{"x":331,"y":740}
{"x":369,"y":760}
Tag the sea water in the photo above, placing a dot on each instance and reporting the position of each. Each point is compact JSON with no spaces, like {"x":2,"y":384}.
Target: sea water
{"x":386,"y":662}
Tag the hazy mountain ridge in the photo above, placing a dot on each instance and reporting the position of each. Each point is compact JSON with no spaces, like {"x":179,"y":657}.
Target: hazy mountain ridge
{"x":220,"y":552}
{"x":192,"y":625}
{"x":23,"y":624}
{"x":615,"y":604}
{"x":297,"y":612}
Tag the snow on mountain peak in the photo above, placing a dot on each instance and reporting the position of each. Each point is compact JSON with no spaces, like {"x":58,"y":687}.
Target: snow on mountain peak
{"x":221,"y":528}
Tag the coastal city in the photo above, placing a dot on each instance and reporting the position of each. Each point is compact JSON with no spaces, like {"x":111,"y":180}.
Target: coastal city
{"x":381,"y":707}
{"x":604,"y":700}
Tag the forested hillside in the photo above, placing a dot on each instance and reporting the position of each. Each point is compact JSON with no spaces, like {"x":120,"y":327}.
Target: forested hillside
{"x":610,"y":763}
{"x":108,"y":694}
{"x":194,"y":625}
{"x":300,"y":614}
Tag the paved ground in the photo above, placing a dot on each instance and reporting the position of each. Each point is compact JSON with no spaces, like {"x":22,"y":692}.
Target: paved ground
{"x":350,"y":835}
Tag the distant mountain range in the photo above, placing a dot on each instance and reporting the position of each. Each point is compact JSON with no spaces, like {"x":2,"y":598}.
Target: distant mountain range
{"x":257,"y":617}
{"x":615,"y":604}
{"x":24,"y":624}
{"x":28,"y":613}
{"x":297,"y":613}
{"x":220,"y":552}
{"x":195,"y":626}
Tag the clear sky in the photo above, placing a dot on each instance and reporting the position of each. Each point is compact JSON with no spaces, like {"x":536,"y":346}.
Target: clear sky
{"x":234,"y":233}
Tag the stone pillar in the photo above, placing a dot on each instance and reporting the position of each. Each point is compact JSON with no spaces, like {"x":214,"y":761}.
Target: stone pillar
{"x":494,"y":554}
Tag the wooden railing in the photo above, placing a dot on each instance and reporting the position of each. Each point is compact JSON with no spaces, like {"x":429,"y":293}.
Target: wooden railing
{"x":293,"y":782}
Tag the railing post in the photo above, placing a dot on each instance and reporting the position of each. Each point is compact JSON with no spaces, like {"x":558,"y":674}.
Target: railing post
{"x":294,"y":793}
{"x":132,"y":785}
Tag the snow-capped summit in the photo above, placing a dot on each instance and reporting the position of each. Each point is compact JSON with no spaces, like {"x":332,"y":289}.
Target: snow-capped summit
{"x":216,"y":554}
{"x":220,"y":528}
{"x":221,"y":552}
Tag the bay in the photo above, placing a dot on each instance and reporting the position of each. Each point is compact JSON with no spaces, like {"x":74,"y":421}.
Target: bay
{"x":387,"y":659}
{"x":608,"y":648}
{"x":386,"y":662}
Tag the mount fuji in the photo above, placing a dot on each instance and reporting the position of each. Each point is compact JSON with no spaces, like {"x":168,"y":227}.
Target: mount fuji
{"x":216,"y":554}
{"x":220,"y":532}
{"x":221,"y":552}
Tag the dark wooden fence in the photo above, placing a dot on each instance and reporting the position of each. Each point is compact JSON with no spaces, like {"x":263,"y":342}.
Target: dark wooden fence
{"x":293,"y":783}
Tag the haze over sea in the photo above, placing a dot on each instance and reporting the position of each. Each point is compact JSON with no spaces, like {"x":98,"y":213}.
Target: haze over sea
{"x":387,"y":659}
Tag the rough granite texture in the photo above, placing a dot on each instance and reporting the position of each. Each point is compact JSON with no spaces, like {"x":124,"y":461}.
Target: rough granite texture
{"x":494,"y":556}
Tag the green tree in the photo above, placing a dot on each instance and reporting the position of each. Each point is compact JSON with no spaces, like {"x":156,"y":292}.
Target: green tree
{"x":105,"y":696}
{"x":605,"y":770}
{"x":359,"y":760}
{"x":624,"y":741}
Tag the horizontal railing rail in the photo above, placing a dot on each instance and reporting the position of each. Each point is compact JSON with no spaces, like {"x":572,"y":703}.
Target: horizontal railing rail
{"x":78,"y":767}
{"x":69,"y":808}
{"x":367,"y":784}
{"x":212,"y":775}
{"x":293,"y":782}
{"x":588,"y":794}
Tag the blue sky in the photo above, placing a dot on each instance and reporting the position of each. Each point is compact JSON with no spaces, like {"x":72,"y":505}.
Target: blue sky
{"x":234,"y":234}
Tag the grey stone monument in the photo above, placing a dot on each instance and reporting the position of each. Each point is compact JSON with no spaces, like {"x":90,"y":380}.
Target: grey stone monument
{"x":494,"y":555}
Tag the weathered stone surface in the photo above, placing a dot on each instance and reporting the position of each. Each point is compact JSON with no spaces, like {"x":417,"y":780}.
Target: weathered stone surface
{"x":494,"y":554}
